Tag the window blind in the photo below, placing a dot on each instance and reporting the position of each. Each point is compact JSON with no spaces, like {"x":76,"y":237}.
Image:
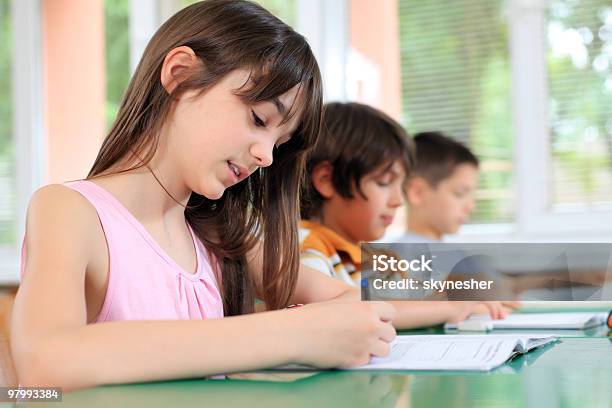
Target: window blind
{"x":7,"y":147}
{"x":456,"y":79}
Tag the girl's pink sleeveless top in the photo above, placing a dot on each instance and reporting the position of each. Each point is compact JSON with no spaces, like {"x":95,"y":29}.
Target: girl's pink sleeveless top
{"x":144,"y":283}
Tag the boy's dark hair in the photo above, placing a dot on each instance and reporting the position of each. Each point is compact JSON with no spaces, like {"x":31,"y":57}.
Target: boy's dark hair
{"x":356,"y":140}
{"x":437,"y":156}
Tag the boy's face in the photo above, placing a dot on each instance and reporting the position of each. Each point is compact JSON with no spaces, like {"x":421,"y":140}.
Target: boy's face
{"x":447,"y":206}
{"x":360,"y":219}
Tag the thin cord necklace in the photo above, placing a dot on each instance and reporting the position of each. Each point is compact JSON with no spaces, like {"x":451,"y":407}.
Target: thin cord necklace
{"x":162,"y":186}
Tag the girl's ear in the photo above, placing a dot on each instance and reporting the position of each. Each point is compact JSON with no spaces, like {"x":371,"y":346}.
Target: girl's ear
{"x":321,"y":178}
{"x":176,"y":64}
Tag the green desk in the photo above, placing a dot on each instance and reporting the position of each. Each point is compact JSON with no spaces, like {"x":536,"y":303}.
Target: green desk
{"x":577,"y":372}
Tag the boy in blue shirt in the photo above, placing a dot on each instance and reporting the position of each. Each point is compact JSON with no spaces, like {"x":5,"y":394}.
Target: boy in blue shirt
{"x":441,"y":188}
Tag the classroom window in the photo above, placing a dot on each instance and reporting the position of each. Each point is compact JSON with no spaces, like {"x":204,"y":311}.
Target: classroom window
{"x":117,"y":53}
{"x":283,"y":9}
{"x":455,"y":74}
{"x":7,"y":143}
{"x":117,"y":41}
{"x":579,"y":61}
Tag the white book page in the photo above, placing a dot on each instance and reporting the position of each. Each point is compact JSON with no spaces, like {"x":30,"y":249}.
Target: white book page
{"x":448,"y":352}
{"x":472,"y":352}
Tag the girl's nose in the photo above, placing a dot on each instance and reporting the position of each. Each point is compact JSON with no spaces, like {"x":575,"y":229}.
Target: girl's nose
{"x":263,"y":154}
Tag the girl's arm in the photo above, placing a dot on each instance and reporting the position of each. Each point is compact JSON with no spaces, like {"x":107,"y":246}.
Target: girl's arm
{"x":312,"y":286}
{"x":54,"y":346}
{"x":415,"y":314}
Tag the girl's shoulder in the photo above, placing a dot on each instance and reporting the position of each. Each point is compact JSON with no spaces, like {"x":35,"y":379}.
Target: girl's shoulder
{"x":64,"y":243}
{"x":59,"y":212}
{"x":59,"y":199}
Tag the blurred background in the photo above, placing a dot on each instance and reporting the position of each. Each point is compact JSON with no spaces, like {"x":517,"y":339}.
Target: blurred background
{"x":526,"y":84}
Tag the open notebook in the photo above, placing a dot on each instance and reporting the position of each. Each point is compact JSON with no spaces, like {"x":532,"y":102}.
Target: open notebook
{"x":463,"y":352}
{"x":543,"y":321}
{"x":455,"y":352}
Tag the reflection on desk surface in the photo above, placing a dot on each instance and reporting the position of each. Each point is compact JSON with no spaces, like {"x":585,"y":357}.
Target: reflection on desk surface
{"x":575,"y":373}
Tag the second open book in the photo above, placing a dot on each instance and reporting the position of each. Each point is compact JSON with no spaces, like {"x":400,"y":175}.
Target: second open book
{"x":542,"y":321}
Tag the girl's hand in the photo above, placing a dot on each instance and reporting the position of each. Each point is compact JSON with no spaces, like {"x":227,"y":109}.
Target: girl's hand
{"x":342,"y":334}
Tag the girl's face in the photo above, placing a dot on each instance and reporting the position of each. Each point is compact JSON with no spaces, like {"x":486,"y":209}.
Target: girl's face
{"x":216,"y":140}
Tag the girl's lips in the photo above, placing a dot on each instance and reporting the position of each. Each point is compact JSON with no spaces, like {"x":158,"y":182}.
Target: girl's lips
{"x":243,"y":172}
{"x":234,"y":178}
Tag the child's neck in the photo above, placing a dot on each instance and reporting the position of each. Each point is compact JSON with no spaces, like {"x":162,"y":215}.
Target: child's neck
{"x":423,"y":229}
{"x":149,"y":192}
{"x":330,"y":223}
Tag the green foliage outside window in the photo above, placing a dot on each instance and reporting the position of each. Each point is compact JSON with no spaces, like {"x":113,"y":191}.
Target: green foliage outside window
{"x":7,"y":145}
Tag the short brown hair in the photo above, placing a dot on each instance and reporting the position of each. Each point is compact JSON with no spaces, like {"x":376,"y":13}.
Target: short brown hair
{"x":437,"y":156}
{"x":356,"y":140}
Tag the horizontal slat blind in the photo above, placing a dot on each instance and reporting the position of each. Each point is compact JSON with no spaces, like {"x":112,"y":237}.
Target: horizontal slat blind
{"x":456,"y":79}
{"x":7,"y":146}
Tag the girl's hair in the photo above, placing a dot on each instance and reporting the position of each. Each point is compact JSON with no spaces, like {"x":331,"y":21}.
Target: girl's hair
{"x":359,"y":139}
{"x":227,"y":35}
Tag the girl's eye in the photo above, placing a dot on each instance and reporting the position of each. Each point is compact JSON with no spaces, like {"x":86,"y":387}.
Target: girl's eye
{"x":258,"y":121}
{"x":383,"y":183}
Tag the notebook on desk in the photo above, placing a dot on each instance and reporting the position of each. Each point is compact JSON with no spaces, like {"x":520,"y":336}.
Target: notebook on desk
{"x":543,"y":321}
{"x":463,"y":352}
{"x":456,"y":352}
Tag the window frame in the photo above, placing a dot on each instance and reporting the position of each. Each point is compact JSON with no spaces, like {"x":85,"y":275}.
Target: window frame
{"x":28,"y":122}
{"x":324,"y":23}
{"x":533,"y":156}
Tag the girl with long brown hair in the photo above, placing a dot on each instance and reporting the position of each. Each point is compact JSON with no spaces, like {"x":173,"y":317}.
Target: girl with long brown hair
{"x":189,"y":212}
